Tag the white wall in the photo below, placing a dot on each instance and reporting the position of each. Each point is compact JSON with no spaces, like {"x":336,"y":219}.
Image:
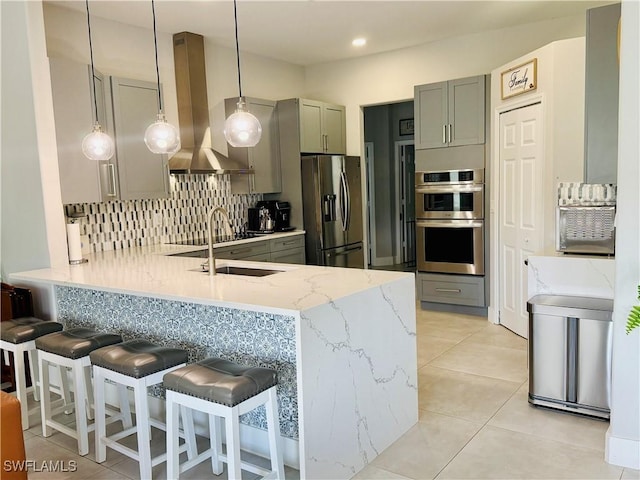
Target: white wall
{"x":390,"y":77}
{"x":623,"y":436}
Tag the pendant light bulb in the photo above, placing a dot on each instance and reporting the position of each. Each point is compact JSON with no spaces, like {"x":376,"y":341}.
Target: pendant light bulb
{"x":98,"y":145}
{"x":162,"y":137}
{"x":242,"y":128}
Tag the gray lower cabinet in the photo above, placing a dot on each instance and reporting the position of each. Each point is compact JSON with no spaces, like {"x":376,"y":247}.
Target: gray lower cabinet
{"x":288,"y":250}
{"x":452,"y":289}
{"x":245,"y":251}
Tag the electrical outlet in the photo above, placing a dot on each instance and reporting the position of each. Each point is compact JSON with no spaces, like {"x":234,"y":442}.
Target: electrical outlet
{"x":157,"y":220}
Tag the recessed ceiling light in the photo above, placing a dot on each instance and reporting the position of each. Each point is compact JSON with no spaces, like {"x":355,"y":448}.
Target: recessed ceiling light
{"x":359,"y":42}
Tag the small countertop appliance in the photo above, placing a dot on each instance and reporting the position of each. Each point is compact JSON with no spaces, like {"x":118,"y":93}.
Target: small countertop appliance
{"x":270,"y":216}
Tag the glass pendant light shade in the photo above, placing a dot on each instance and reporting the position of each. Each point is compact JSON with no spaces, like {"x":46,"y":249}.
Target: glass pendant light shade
{"x":98,"y":145}
{"x":242,"y":129}
{"x":162,"y":137}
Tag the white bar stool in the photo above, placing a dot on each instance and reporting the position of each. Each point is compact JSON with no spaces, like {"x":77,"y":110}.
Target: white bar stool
{"x":137,"y":364}
{"x":70,"y":349}
{"x":18,"y":336}
{"x":226,"y":390}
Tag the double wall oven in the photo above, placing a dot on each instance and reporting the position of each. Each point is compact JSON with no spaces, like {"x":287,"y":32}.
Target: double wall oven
{"x":450,"y":221}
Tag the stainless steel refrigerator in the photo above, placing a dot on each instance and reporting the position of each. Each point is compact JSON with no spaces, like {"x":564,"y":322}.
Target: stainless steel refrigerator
{"x":332,"y":210}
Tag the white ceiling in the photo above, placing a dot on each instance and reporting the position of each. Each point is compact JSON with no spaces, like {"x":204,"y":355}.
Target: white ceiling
{"x":310,"y":32}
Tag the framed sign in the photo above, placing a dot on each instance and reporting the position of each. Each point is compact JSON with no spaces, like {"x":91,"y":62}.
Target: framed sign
{"x":520,"y":79}
{"x":406,"y":126}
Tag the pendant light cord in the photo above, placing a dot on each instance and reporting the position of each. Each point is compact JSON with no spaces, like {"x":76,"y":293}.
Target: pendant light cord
{"x":235,"y":18}
{"x":93,"y":75}
{"x":155,"y":44}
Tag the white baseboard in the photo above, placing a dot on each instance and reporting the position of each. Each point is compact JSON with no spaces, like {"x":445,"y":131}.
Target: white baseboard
{"x":623,"y":452}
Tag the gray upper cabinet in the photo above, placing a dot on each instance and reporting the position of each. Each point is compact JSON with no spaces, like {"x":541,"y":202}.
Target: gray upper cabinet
{"x":264,"y":158}
{"x":448,"y":114}
{"x":74,"y":117}
{"x":322,"y":127}
{"x":601,"y":95}
{"x":141,"y":174}
{"x":125,"y":109}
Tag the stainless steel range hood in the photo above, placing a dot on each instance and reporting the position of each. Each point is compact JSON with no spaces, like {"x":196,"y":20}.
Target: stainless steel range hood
{"x":196,"y":154}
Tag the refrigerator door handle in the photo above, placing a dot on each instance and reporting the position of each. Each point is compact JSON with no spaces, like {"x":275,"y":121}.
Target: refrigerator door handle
{"x":345,"y":202}
{"x":345,"y":252}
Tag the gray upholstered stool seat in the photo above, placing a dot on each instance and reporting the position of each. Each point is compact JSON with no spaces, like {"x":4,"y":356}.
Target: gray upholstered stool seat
{"x":137,"y":364}
{"x":71,"y":349}
{"x":220,"y":381}
{"x":223,"y":390}
{"x":25,"y":329}
{"x":18,"y":337}
{"x":137,"y":358}
{"x":76,"y":342}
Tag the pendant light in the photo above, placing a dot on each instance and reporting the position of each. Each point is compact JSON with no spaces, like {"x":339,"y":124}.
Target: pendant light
{"x":97,"y":145}
{"x":160,"y":136}
{"x":241,"y":129}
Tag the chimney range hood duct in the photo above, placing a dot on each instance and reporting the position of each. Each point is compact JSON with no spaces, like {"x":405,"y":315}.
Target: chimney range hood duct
{"x":196,"y":154}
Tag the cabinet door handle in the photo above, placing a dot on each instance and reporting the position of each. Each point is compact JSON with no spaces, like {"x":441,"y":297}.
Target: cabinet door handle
{"x":449,"y":290}
{"x":235,"y":252}
{"x":290,"y":242}
{"x":450,"y":133}
{"x":444,"y":134}
{"x":112,"y":177}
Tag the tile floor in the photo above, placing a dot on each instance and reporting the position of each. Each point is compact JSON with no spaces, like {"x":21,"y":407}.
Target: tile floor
{"x":474,"y":422}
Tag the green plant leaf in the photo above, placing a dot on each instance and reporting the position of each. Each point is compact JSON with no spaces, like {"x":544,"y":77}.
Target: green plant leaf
{"x":633,"y":320}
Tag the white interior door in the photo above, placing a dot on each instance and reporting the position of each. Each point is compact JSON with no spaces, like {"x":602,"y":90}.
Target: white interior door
{"x":520,"y":210}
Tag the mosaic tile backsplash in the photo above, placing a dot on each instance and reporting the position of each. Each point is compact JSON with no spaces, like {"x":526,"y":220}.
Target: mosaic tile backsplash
{"x":183,"y":216}
{"x":242,"y":336}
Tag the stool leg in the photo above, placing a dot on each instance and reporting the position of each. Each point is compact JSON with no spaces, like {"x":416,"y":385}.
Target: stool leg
{"x":189,"y":432}
{"x":125,"y":408}
{"x":81,"y":409}
{"x":89,"y":390}
{"x":45,"y":398}
{"x":35,"y":374}
{"x":100,"y":415}
{"x":173,"y":466}
{"x":144,"y":439}
{"x":232,"y":426}
{"x":65,"y":392}
{"x":21,"y":386}
{"x":215,"y":441}
{"x":273,"y":424}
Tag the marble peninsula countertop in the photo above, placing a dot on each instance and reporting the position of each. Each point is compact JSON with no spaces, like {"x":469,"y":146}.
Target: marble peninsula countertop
{"x":151,"y":271}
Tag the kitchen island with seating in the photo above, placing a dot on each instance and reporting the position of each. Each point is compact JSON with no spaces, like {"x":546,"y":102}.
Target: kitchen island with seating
{"x":343,"y":341}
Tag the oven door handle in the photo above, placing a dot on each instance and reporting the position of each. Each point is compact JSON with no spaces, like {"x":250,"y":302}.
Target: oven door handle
{"x":449,"y":189}
{"x":452,"y":224}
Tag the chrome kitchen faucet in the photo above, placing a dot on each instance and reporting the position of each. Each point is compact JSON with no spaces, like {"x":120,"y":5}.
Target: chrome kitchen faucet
{"x":210,"y":235}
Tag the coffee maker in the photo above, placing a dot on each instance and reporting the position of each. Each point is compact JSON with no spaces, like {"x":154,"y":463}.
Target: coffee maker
{"x":270,"y":216}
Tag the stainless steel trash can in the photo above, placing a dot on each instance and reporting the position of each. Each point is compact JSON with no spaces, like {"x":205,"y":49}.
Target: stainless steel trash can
{"x":570,"y":353}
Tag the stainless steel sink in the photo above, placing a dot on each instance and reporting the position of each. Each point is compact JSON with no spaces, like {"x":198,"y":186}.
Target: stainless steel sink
{"x":245,"y":271}
{"x":250,"y":272}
